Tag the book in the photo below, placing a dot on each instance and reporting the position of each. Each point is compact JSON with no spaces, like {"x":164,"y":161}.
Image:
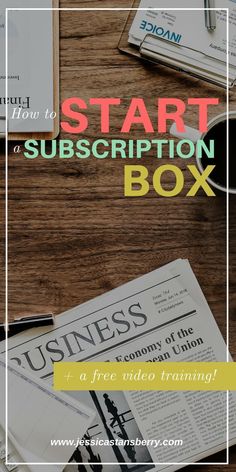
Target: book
{"x":31,"y":54}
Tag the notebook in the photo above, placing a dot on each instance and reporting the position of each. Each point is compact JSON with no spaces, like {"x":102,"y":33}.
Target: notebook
{"x":30,"y":40}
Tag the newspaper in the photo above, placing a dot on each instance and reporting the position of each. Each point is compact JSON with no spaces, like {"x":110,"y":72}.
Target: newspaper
{"x":160,"y":317}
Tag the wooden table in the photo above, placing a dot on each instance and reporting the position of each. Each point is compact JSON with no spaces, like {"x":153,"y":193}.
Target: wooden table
{"x":72,"y":233}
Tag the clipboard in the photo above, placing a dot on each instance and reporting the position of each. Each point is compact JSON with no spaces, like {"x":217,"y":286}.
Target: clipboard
{"x":165,"y":52}
{"x":56,"y":100}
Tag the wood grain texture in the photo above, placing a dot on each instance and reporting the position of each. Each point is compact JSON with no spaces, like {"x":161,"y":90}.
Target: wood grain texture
{"x":72,"y":233}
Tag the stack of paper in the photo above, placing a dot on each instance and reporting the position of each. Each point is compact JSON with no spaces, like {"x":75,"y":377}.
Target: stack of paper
{"x":181,"y":39}
{"x":36,"y":414}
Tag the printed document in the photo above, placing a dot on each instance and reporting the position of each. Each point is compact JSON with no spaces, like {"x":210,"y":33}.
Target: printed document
{"x":177,"y":26}
{"x":30,"y":65}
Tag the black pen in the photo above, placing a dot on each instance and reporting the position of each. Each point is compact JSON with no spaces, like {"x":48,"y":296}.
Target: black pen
{"x":22,"y":324}
{"x":210,"y":15}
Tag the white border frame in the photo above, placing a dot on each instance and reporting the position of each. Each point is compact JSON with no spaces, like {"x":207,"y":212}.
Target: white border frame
{"x":6,"y":230}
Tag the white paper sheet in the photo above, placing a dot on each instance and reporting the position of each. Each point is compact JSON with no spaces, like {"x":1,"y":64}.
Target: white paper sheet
{"x":37,"y":415}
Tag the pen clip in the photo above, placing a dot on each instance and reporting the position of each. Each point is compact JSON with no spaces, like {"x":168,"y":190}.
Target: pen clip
{"x":2,"y":129}
{"x":35,"y":317}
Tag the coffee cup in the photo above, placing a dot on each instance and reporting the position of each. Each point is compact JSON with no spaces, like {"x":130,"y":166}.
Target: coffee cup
{"x":216,"y":131}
